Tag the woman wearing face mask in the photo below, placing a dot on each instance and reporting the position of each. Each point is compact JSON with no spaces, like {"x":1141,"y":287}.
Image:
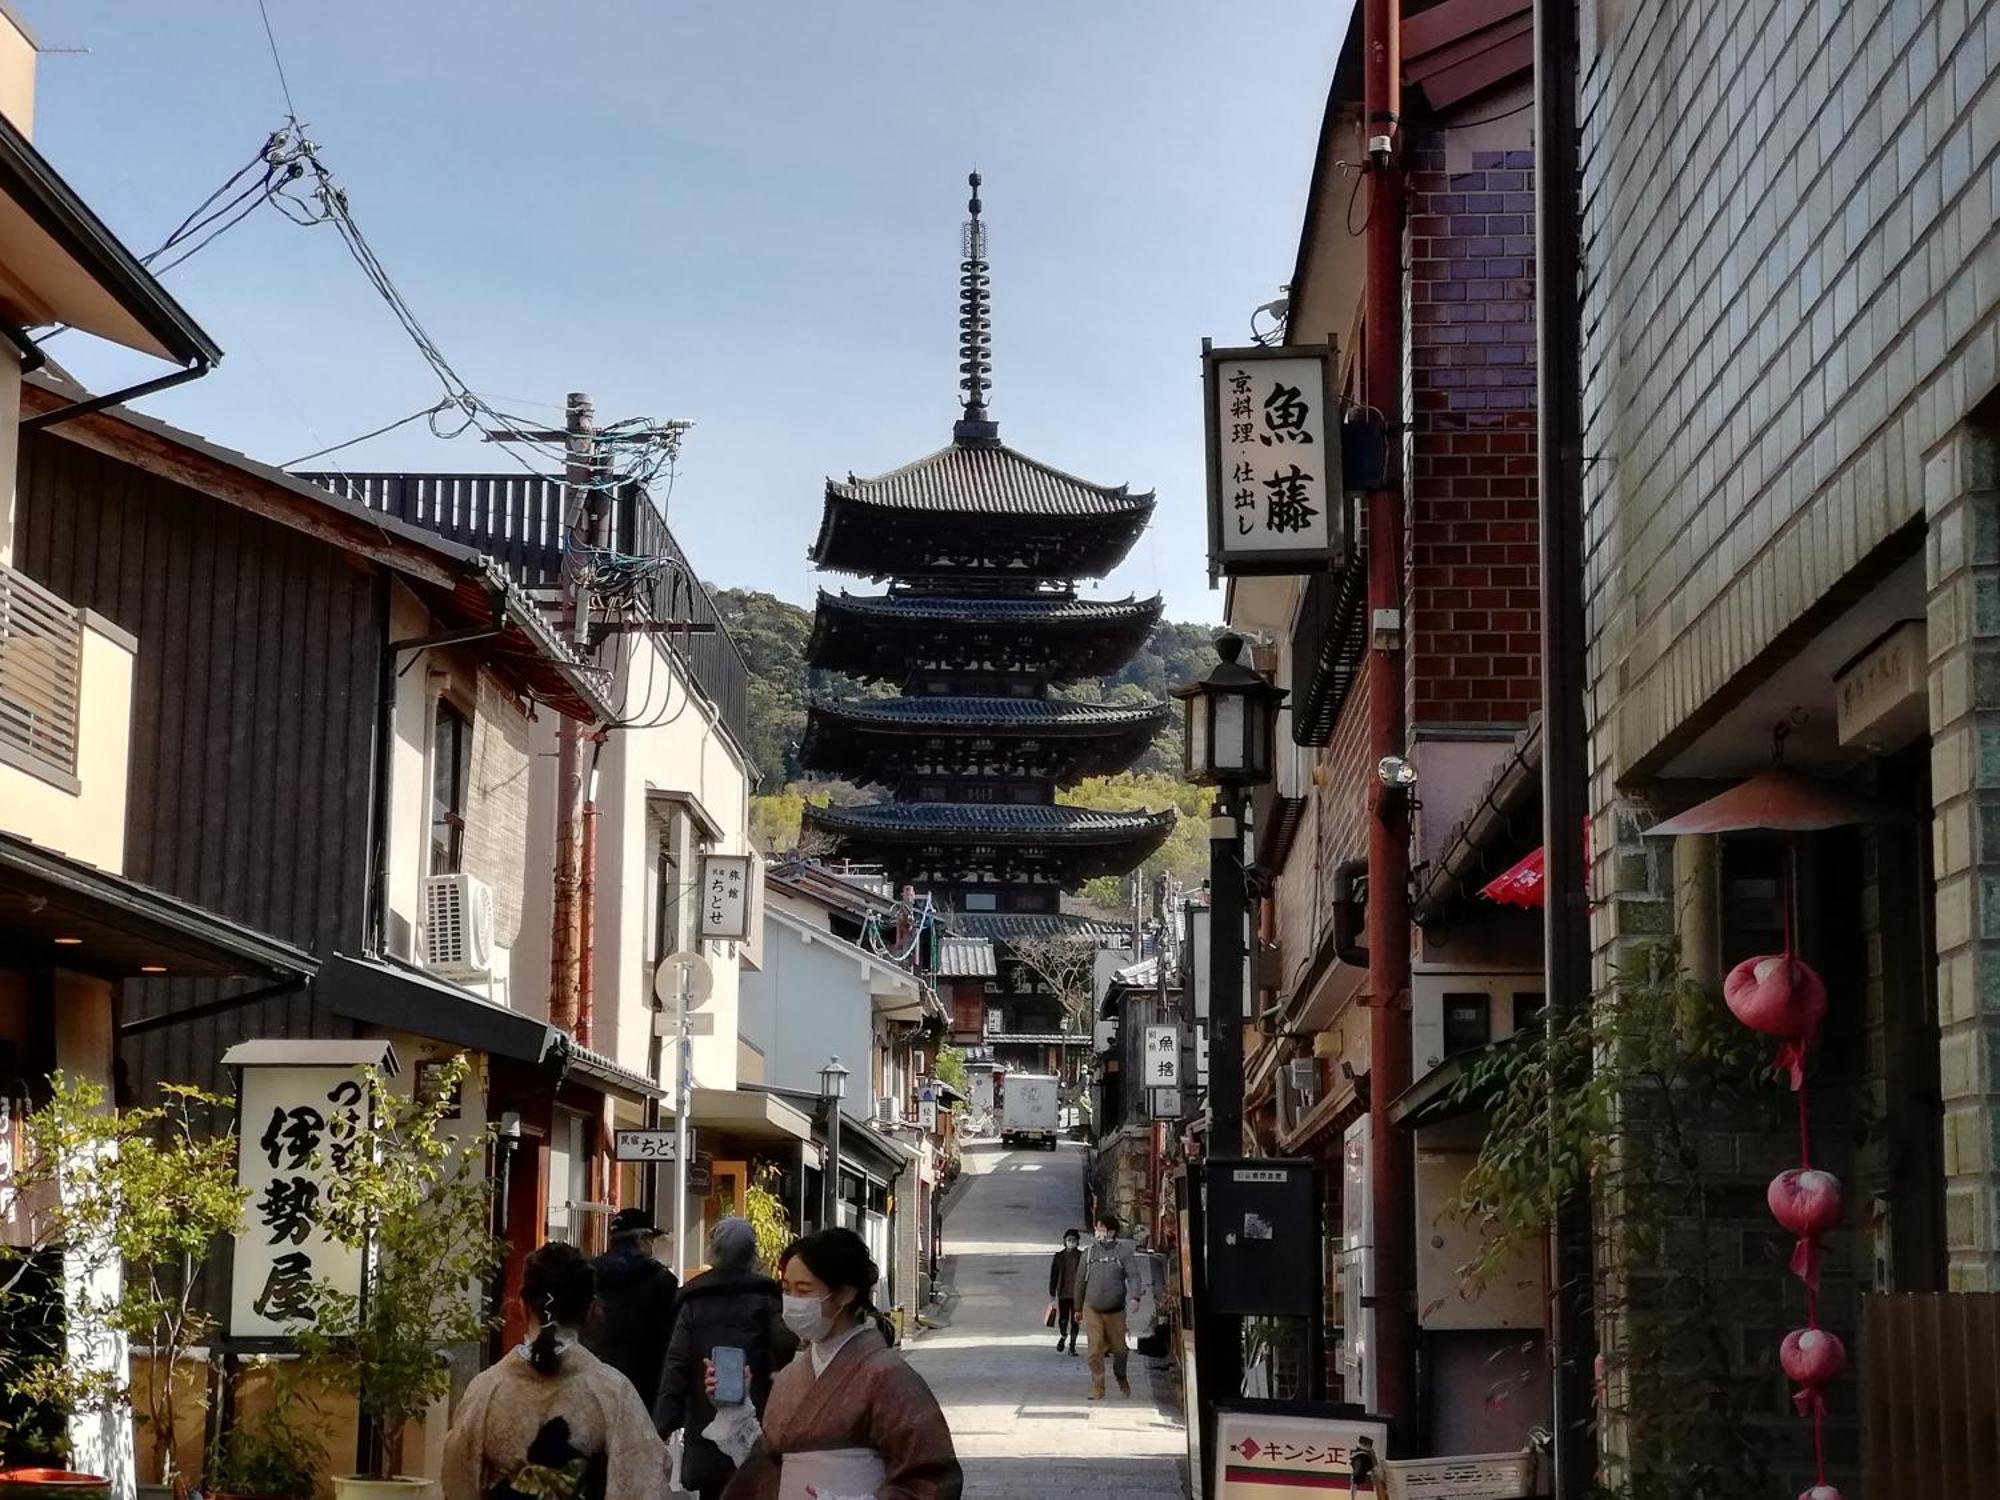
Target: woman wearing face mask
{"x":847,"y":1416}
{"x":551,"y":1421}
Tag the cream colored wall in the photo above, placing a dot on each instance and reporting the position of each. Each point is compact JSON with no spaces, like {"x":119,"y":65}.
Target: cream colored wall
{"x":17,"y":76}
{"x":87,"y":824}
{"x":10,"y":445}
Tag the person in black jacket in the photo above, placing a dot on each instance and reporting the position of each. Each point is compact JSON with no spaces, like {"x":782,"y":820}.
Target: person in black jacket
{"x":1062,"y":1289}
{"x":632,"y":1317}
{"x":731,"y":1303}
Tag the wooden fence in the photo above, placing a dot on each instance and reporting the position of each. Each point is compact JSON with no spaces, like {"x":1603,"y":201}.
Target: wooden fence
{"x":1930,"y":1396}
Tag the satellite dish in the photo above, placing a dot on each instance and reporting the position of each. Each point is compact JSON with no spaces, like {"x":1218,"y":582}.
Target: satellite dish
{"x":668,"y":979}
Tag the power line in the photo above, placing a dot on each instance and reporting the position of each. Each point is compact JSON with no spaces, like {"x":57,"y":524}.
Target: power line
{"x":434,"y":409}
{"x":291,"y":109}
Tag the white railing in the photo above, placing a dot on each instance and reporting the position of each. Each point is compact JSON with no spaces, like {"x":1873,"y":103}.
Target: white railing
{"x":41,"y":662}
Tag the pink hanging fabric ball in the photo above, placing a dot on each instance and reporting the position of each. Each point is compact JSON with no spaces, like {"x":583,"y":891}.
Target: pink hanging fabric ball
{"x":1779,"y":996}
{"x":1807,"y":1202}
{"x":1820,"y":1492}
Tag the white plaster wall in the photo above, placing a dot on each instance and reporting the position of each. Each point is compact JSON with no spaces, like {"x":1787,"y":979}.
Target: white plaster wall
{"x":87,"y":824}
{"x":810,"y":1002}
{"x":10,"y":445}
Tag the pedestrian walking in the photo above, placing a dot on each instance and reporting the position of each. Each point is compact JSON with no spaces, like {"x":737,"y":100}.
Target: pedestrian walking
{"x":1063,"y":1270}
{"x":730,"y":1305}
{"x":551,"y":1421}
{"x":632,"y":1319}
{"x":848,"y":1416}
{"x":1108,"y":1288}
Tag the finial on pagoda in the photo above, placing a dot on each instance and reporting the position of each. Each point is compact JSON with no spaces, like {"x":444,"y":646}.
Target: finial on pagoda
{"x":975,"y":343}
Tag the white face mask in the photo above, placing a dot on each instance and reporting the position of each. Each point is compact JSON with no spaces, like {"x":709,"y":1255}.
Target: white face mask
{"x":808,"y":1318}
{"x":1105,"y":1236}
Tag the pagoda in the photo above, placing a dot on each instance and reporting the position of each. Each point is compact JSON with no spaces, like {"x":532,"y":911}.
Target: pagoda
{"x":981,"y":549}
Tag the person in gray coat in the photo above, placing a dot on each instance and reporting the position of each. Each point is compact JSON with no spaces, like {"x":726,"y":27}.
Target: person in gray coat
{"x":730,"y":1303}
{"x":1107,"y":1287}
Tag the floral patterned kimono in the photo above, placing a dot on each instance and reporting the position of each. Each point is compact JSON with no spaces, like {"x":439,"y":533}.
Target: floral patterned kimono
{"x":581,"y":1433}
{"x":867,"y":1398}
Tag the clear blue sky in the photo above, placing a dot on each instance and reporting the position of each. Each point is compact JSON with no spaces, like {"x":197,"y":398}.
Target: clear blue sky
{"x":744,"y":214}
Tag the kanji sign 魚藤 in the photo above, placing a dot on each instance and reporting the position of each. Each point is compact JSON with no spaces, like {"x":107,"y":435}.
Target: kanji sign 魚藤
{"x":1275,"y":495}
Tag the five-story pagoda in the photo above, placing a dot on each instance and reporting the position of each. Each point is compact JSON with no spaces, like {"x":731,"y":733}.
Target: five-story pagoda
{"x":982,"y":549}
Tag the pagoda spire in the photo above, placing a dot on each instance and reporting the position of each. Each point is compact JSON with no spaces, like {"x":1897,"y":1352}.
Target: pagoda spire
{"x":975,"y":342}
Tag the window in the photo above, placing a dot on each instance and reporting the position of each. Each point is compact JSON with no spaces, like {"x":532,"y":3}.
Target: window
{"x":451,"y":778}
{"x":667,"y":889}
{"x":1468,"y":1022}
{"x":981,"y":901}
{"x":1528,"y":1009}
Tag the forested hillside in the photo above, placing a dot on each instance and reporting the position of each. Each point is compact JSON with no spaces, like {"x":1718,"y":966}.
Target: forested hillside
{"x":772,"y":635}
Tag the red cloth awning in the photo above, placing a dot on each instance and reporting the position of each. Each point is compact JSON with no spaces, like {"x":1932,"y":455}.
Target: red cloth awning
{"x":1521,"y":884}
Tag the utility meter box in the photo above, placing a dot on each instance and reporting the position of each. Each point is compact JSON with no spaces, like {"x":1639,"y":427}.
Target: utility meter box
{"x":1263,"y":1238}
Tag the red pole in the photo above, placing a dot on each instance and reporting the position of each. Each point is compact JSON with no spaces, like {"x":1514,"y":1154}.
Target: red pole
{"x":1390,"y":1182}
{"x":586,"y":916}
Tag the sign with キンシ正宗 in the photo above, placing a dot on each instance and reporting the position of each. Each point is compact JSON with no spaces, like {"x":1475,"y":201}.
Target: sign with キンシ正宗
{"x":725,"y":897}
{"x":1260,"y":1456}
{"x":1276,"y":502}
{"x":301,"y":1105}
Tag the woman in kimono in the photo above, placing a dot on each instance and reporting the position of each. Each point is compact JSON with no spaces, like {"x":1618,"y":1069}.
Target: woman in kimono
{"x":847,"y":1418}
{"x":551,"y":1421}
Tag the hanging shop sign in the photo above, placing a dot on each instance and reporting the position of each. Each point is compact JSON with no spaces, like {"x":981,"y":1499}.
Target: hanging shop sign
{"x":725,"y":897}
{"x":1163,"y":1057}
{"x":300,"y":1108}
{"x":643,"y":1145}
{"x":1276,"y":501}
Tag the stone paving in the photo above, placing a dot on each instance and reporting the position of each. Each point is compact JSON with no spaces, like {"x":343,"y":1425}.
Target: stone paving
{"x":1018,"y":1410}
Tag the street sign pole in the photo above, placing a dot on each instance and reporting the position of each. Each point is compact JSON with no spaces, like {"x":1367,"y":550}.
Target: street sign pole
{"x":681,"y":1121}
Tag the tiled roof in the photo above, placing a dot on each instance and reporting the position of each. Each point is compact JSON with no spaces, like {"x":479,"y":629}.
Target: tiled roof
{"x":988,"y":480}
{"x":997,"y":822}
{"x":1002,"y":715}
{"x":978,"y":611}
{"x":967,"y":958}
{"x":1001,"y":926}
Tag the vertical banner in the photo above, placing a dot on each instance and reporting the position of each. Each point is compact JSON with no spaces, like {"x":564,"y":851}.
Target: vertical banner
{"x":294,"y":1126}
{"x":1163,"y":1057}
{"x":1276,"y":500}
{"x":725,"y":897}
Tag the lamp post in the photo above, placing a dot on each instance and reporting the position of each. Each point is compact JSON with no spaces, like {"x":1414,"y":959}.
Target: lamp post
{"x":832,"y":1088}
{"x":1231,"y":720}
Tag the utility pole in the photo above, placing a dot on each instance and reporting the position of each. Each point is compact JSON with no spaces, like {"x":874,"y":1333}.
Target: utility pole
{"x":1392,"y":1163}
{"x":579,"y":470}
{"x":1565,"y":749}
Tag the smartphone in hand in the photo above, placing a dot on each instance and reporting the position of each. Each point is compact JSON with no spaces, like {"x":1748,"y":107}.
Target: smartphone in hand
{"x":731,"y":1375}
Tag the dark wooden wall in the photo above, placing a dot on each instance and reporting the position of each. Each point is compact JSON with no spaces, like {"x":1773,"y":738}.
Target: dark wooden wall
{"x":252,"y":719}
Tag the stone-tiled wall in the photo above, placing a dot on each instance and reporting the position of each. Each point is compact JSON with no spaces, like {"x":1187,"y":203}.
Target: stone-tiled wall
{"x":1791,"y":270}
{"x":1474,"y":607}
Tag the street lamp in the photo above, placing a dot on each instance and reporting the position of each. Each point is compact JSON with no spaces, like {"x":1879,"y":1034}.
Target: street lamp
{"x":833,"y":1089}
{"x":1231,"y":724}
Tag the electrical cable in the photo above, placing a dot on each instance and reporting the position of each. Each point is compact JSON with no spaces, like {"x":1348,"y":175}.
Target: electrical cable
{"x":291,"y":109}
{"x":429,"y":411}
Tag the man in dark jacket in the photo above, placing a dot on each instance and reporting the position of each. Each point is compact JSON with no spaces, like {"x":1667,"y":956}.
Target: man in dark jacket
{"x":632,"y":1316}
{"x":729,"y":1304}
{"x":1062,"y":1289}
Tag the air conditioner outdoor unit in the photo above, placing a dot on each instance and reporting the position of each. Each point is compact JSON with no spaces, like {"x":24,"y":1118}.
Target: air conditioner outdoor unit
{"x":458,"y":926}
{"x":919,"y":1064}
{"x":885,"y":1111}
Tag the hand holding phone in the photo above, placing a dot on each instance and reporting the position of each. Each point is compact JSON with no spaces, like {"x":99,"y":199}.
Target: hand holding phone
{"x":731,"y":1375}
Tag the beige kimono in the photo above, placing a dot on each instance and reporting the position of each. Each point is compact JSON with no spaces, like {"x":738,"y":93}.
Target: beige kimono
{"x":868,"y":1397}
{"x":508,"y":1410}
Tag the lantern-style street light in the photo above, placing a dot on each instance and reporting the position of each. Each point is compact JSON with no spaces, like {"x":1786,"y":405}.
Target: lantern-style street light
{"x":1231,"y":725}
{"x":832,"y":1089}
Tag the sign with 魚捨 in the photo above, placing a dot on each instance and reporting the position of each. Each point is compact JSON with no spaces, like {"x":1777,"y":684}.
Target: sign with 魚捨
{"x":1276,"y":502}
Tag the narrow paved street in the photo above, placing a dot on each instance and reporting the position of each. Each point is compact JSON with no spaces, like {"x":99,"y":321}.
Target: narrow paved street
{"x":1018,"y":1410}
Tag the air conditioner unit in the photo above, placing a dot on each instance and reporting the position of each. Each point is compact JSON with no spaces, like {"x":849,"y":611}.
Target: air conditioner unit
{"x":885,"y":1111}
{"x":458,"y":926}
{"x":919,"y":1064}
{"x":1298,"y":1091}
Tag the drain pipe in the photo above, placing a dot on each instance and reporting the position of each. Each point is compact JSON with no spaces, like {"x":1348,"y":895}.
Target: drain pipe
{"x":1350,"y":911}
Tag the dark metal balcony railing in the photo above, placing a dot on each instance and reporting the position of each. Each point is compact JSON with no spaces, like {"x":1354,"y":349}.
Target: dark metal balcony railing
{"x":517,"y":520}
{"x":41,"y":675}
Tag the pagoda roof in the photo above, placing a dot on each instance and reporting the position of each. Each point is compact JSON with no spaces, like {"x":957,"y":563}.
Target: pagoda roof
{"x":871,"y":738}
{"x":877,"y":636}
{"x":1006,"y":926}
{"x":922,"y":520}
{"x":1085,"y":840}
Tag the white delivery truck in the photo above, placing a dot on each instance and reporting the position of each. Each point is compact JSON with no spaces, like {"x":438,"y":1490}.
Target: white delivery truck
{"x":1029,"y":1105}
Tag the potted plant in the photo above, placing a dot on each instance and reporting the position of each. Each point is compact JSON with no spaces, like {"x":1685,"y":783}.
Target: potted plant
{"x":140,"y":1198}
{"x":268,"y":1456}
{"x":414,"y":1199}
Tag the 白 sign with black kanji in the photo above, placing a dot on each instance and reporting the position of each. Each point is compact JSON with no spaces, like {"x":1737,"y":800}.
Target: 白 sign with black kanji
{"x":1275,"y":495}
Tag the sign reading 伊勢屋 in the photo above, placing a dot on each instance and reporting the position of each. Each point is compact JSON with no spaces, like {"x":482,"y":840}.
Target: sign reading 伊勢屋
{"x":294,"y":1125}
{"x":1275,"y":495}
